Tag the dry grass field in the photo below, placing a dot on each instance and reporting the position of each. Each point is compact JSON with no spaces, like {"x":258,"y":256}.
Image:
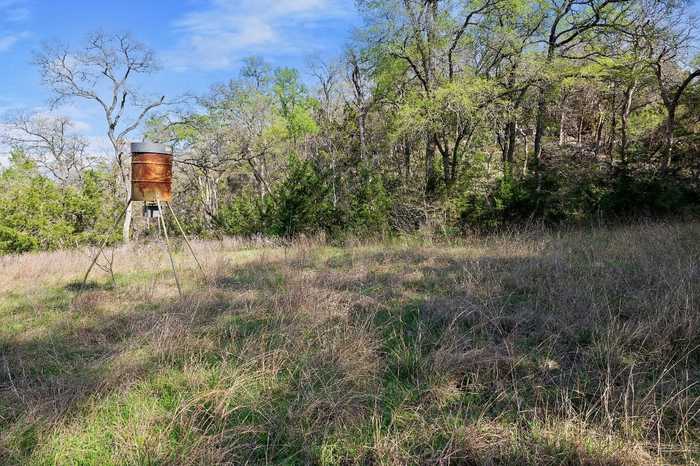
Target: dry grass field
{"x":532,"y":347}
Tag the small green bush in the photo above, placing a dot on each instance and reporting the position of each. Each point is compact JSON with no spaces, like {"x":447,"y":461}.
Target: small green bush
{"x":369,"y":207}
{"x":301,"y":203}
{"x":242,"y":215}
{"x":12,"y":240}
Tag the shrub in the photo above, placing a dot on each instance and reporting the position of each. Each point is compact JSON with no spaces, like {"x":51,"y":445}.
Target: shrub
{"x":560,"y":197}
{"x":13,"y":240}
{"x":37,"y":213}
{"x":649,"y":194}
{"x":369,"y":207}
{"x":242,"y":215}
{"x":301,"y":203}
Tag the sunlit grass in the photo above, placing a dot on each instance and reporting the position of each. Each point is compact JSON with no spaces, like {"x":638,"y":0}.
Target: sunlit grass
{"x":523,"y":348}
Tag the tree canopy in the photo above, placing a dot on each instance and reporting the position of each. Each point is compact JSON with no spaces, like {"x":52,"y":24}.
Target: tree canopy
{"x":459,"y":113}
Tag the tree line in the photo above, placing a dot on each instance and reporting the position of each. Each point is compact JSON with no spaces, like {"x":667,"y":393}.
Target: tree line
{"x":440,"y":114}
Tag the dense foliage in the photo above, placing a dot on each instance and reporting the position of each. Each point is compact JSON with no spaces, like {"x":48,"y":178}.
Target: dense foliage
{"x":447,"y":115}
{"x":455,"y":115}
{"x":37,"y":213}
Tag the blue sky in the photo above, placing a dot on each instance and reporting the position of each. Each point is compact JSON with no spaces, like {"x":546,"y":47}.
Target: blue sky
{"x":198,"y":42}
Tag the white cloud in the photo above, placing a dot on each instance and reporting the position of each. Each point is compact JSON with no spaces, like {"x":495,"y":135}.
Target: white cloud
{"x":12,"y":13}
{"x":14,"y":10}
{"x":82,"y":115}
{"x":226,"y":31}
{"x":17,"y":15}
{"x":6,"y":42}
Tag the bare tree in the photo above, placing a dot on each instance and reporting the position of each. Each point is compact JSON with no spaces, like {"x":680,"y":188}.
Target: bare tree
{"x":49,"y":142}
{"x":102,"y":71}
{"x":327,"y":75}
{"x":232,"y":136}
{"x":361,"y":91}
{"x":257,"y":71}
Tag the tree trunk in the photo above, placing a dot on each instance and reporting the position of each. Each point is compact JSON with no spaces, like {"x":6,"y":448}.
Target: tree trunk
{"x":446,"y":166}
{"x":512,"y":140}
{"x":407,"y":158}
{"x":539,"y":125}
{"x":455,"y":164}
{"x":509,"y":153}
{"x":629,"y":92}
{"x":430,"y":178}
{"x":670,"y":126}
{"x":431,"y":142}
{"x":527,"y":151}
{"x":613,"y":126}
{"x":599,"y":132}
{"x":363,"y":139}
{"x":561,"y":128}
{"x":126,"y":179}
{"x":126,"y":229}
{"x":542,"y":102}
{"x":671,"y":103}
{"x":579,"y":134}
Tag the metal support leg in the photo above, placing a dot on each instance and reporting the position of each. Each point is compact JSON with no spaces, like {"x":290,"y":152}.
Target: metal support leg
{"x":187,"y":241}
{"x":167,"y":243}
{"x":104,"y":243}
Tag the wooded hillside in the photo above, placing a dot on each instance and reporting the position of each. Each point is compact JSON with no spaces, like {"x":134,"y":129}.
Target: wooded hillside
{"x":441,"y":114}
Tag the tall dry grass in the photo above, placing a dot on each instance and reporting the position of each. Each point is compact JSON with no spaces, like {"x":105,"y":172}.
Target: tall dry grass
{"x":529,"y":347}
